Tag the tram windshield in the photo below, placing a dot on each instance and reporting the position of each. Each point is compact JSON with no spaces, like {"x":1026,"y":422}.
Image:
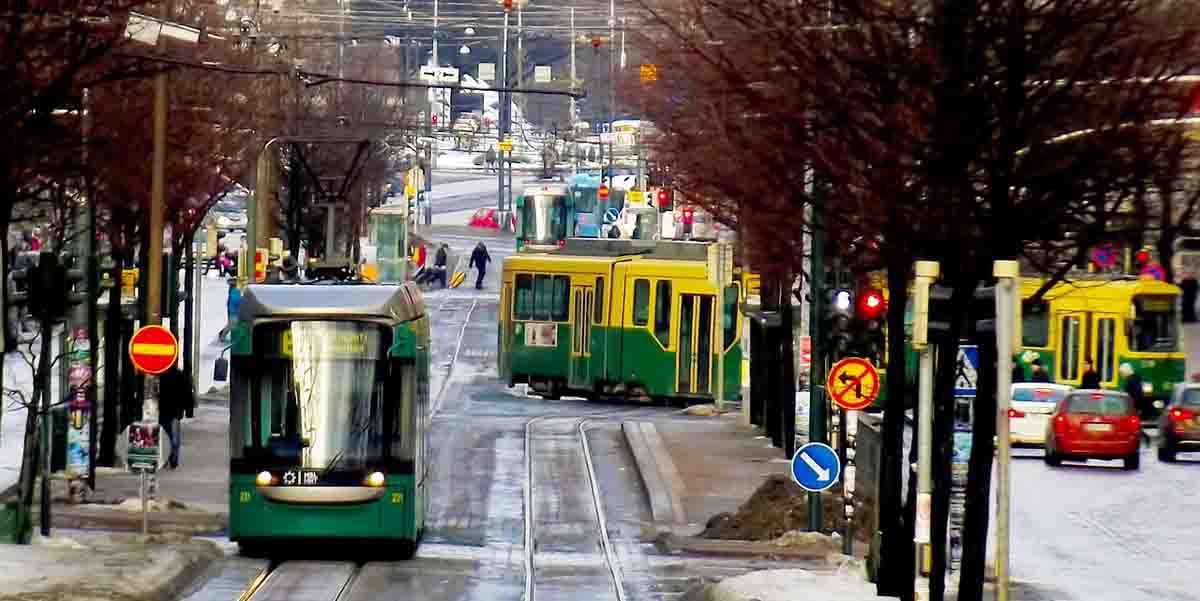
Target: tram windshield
{"x":1154,"y":328}
{"x":544,"y":219}
{"x":321,"y":386}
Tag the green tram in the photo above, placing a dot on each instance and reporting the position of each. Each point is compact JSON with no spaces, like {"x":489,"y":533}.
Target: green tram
{"x":583,"y":323}
{"x":329,"y":417}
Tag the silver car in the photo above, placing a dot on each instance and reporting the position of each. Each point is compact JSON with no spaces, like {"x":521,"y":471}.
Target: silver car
{"x":1032,"y":405}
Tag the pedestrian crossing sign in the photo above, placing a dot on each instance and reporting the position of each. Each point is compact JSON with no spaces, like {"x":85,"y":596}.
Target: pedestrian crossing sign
{"x":966,"y":375}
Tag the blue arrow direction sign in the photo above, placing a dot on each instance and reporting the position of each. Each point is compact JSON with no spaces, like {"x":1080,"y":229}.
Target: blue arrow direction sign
{"x":611,"y":215}
{"x":966,"y":374}
{"x":815,"y":467}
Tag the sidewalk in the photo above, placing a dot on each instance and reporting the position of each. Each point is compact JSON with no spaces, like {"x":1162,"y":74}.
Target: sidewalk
{"x":200,"y":484}
{"x":89,"y":568}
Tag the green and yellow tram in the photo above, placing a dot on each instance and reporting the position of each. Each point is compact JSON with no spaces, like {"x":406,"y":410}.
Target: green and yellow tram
{"x":636,"y":325}
{"x":329,"y":416}
{"x":1112,"y":322}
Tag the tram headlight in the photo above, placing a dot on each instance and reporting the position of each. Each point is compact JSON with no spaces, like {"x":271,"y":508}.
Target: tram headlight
{"x":375,"y":479}
{"x":264,"y":478}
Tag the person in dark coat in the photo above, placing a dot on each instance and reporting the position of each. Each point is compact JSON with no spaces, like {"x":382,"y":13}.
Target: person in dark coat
{"x":479,"y":260}
{"x":1134,"y":386}
{"x":1190,"y":288}
{"x":1018,"y":371}
{"x":175,"y":401}
{"x":1090,"y":379}
{"x":440,"y":263}
{"x":1039,"y":372}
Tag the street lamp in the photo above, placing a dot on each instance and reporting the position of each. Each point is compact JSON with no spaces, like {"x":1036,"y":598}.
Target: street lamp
{"x":469,"y":30}
{"x":464,"y":50}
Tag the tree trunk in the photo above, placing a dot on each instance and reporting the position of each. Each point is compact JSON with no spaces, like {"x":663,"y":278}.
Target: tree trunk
{"x":979,"y":475}
{"x":943,"y":429}
{"x":787,"y":383}
{"x":31,"y":457}
{"x":113,"y":329}
{"x":895,"y":570}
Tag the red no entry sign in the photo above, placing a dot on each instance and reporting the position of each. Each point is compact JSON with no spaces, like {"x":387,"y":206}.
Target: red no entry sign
{"x":853,"y":383}
{"x":153,"y":349}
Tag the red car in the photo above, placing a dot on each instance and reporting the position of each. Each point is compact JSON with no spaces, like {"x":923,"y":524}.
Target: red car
{"x":486,"y":217}
{"x":1093,"y":424}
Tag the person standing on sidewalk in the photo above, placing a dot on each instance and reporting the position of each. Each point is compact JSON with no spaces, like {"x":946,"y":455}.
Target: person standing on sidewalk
{"x":232,"y":303}
{"x":439,"y":263}
{"x":479,"y":260}
{"x":175,"y":401}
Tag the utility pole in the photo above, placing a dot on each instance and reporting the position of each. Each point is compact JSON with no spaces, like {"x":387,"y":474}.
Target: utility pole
{"x":612,"y":85}
{"x":435,"y":34}
{"x":1008,"y":325}
{"x":816,"y":379}
{"x":80,"y":335}
{"x":503,"y":128}
{"x":925,"y":274}
{"x":571,"y":118}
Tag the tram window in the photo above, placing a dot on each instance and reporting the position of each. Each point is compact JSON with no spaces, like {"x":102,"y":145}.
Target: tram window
{"x":562,"y":301}
{"x":542,"y":297}
{"x":1035,"y":323}
{"x":599,"y":306}
{"x":324,"y":380}
{"x":1153,"y":329}
{"x":730,"y":316}
{"x":662,"y":312}
{"x":524,"y":303}
{"x":1071,"y":341}
{"x":585,"y":200}
{"x":1105,"y":341}
{"x":641,"y":302}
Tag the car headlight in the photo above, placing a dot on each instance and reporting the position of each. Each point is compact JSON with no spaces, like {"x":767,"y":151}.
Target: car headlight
{"x":375,"y":479}
{"x":1159,"y":404}
{"x":1147,"y":387}
{"x":264,"y":478}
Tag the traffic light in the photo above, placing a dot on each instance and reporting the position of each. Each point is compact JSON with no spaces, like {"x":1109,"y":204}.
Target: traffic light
{"x":838,"y":311}
{"x":870,"y":324}
{"x":688,"y":217}
{"x":665,"y":199}
{"x":940,"y":312}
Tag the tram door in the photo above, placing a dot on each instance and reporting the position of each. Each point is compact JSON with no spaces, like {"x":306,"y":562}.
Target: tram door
{"x":695,"y":356}
{"x":1083,"y":336}
{"x":505,"y":342}
{"x":581,"y":337}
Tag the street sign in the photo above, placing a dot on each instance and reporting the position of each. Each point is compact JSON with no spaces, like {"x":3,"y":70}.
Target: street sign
{"x":1154,"y":271}
{"x":153,"y":349}
{"x":542,"y":74}
{"x":487,"y":71}
{"x":602,"y":192}
{"x":966,"y":374}
{"x":143,"y":450}
{"x":815,"y":467}
{"x":806,"y":350}
{"x":648,"y":73}
{"x":611,"y":215}
{"x":636,"y":197}
{"x":1105,"y":255}
{"x":506,"y":145}
{"x":853,"y":383}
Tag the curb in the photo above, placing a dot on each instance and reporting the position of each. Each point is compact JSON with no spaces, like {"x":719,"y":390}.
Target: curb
{"x":738,"y":548}
{"x":86,"y":518}
{"x":663,"y":485}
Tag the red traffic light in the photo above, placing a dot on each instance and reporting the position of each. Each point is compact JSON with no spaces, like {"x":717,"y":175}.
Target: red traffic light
{"x":508,"y":4}
{"x":602,"y":192}
{"x":595,"y":42}
{"x":688,"y":215}
{"x":435,"y":119}
{"x":1141,"y":256}
{"x":661,"y":197}
{"x":871,"y":304}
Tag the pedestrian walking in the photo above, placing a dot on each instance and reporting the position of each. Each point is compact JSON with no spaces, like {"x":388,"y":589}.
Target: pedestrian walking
{"x":175,"y":401}
{"x":1135,"y":387}
{"x":232,"y":303}
{"x":1090,"y":379}
{"x":479,"y":260}
{"x":1039,"y":372}
{"x":1190,"y":289}
{"x":490,"y":157}
{"x":439,"y":263}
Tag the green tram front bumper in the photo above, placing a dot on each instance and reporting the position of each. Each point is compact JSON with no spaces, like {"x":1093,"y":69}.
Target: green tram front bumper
{"x":390,"y":517}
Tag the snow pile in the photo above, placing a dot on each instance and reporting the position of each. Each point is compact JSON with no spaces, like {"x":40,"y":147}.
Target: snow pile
{"x":134,"y":505}
{"x":791,"y":585}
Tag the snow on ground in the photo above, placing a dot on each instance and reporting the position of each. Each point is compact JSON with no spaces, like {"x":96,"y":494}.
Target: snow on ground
{"x":17,"y":376}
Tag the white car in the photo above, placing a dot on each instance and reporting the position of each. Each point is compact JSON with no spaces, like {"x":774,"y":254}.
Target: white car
{"x":1032,"y":405}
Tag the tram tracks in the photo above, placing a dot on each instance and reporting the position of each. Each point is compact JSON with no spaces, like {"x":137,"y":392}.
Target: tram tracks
{"x":580,"y":426}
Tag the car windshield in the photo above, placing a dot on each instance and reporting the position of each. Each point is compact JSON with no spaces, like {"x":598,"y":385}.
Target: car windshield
{"x":1031,"y":394}
{"x":321,"y":384}
{"x":1105,"y":404}
{"x":1190,"y":399}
